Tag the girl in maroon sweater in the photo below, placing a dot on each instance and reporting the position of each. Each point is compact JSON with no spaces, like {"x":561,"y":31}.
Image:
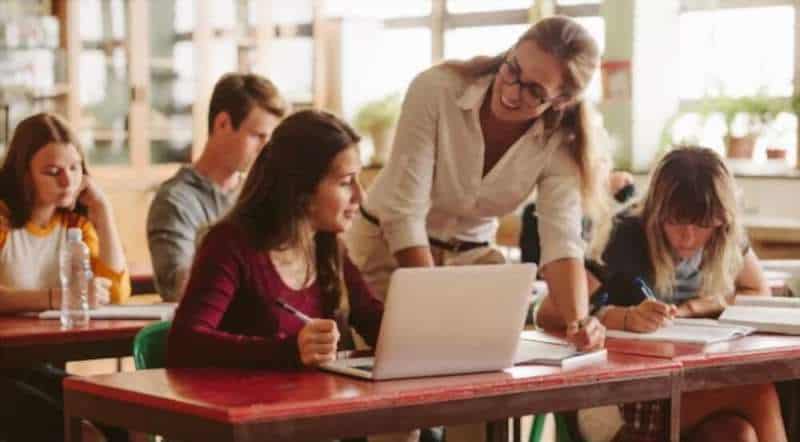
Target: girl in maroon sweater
{"x":279,"y":243}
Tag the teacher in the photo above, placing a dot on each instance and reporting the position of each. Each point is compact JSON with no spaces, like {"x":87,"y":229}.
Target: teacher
{"x":474,"y":140}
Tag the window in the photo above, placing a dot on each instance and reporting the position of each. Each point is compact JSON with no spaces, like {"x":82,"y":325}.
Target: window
{"x":103,"y":73}
{"x":293,"y":74}
{"x":718,"y":59}
{"x":376,"y":9}
{"x":465,"y":43}
{"x":460,"y":6}
{"x":737,"y":52}
{"x":597,"y":29}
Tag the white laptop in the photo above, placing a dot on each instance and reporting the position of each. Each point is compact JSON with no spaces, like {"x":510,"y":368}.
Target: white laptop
{"x":447,"y":320}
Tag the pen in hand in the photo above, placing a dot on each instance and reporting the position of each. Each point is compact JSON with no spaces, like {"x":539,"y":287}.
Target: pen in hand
{"x":644,"y":288}
{"x":343,"y":354}
{"x":297,"y":313}
{"x":648,"y":294}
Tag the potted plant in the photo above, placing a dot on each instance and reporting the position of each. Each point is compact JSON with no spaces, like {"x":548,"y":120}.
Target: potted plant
{"x":759,"y":111}
{"x":377,"y":118}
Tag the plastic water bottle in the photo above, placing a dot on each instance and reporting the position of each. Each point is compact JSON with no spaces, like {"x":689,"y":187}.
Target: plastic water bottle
{"x":75,"y":271}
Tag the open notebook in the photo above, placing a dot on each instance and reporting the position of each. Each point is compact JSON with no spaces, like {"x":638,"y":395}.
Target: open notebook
{"x":539,"y":348}
{"x":162,"y":311}
{"x":691,"y":331}
{"x":775,"y":319}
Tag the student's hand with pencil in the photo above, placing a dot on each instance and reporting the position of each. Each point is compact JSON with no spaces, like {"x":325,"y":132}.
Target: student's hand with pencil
{"x":648,"y":316}
{"x":317,"y":341}
{"x":586,"y":334}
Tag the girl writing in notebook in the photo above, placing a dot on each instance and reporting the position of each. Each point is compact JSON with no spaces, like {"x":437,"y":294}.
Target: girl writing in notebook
{"x":271,"y":285}
{"x":686,"y":242}
{"x":45,"y":189}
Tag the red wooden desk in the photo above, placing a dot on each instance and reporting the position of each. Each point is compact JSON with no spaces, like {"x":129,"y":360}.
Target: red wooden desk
{"x":28,"y":341}
{"x":750,"y":360}
{"x":237,"y":405}
{"x":753,"y":359}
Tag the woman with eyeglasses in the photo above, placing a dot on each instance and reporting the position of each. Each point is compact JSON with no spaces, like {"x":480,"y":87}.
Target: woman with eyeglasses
{"x":474,"y":140}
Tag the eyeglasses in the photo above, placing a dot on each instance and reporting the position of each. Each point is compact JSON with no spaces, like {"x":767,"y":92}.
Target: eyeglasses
{"x":533,"y":93}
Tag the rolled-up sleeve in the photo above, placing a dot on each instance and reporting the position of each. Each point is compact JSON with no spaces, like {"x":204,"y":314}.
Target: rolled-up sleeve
{"x":403,"y":207}
{"x":558,"y":206}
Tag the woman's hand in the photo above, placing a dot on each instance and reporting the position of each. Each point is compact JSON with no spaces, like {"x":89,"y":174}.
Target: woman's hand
{"x":91,"y":196}
{"x":586,"y":334}
{"x":99,"y":292}
{"x":317,"y":342}
{"x":648,"y":316}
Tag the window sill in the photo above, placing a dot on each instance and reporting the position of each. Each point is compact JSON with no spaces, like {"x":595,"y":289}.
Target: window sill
{"x":768,"y":169}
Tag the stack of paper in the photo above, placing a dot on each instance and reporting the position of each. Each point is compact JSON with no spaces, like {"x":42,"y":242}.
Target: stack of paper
{"x":765,"y":313}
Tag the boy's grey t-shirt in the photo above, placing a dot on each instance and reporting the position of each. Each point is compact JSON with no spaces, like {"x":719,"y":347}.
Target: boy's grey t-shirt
{"x":184,"y":205}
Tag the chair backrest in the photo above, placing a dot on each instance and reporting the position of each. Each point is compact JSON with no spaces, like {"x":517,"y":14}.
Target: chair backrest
{"x":150,"y":345}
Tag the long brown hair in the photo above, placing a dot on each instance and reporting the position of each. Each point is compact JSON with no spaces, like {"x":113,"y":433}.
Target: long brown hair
{"x":569,"y":42}
{"x":273,"y":203}
{"x":692,"y":185}
{"x":31,"y":134}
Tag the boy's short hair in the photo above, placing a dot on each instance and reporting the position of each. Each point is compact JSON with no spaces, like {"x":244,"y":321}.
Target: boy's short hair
{"x":237,"y":94}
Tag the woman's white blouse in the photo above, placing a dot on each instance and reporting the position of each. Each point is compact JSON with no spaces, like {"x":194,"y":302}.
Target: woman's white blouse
{"x":433,"y":186}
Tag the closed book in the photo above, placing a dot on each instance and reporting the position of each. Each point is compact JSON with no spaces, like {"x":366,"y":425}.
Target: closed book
{"x":767,"y":301}
{"x":785,"y":320}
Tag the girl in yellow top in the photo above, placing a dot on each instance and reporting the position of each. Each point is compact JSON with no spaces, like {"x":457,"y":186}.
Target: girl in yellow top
{"x":45,"y":189}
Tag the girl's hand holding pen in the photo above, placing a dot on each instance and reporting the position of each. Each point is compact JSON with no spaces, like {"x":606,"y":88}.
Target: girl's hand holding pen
{"x":317,"y":342}
{"x":649,"y":316}
{"x":586,"y":334}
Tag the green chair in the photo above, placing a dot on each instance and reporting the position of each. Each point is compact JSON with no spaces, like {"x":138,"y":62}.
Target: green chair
{"x":563,"y":431}
{"x":149,"y":349}
{"x":150,"y":345}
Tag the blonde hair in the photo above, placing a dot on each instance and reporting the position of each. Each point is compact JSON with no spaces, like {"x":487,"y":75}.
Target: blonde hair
{"x":569,"y":42}
{"x":692,"y":185}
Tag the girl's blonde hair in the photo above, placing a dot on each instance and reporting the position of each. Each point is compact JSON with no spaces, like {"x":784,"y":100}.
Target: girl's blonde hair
{"x":569,"y":42}
{"x":692,"y":185}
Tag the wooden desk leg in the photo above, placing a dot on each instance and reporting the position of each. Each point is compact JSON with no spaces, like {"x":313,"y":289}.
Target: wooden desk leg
{"x":675,"y":410}
{"x":497,"y":431}
{"x":517,"y":428}
{"x":73,"y":430}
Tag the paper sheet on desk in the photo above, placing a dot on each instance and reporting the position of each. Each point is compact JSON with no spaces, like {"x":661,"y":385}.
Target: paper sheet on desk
{"x":540,"y":336}
{"x":163,"y":311}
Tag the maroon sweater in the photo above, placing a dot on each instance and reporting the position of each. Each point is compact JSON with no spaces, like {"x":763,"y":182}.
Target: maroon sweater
{"x":228,"y":316}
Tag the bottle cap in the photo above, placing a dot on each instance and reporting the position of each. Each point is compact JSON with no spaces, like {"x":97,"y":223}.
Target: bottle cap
{"x":74,"y":234}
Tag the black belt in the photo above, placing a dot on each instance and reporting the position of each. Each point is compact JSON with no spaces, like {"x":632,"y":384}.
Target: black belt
{"x":453,"y":245}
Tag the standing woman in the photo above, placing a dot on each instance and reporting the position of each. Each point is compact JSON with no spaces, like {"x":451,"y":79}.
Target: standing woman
{"x":474,"y":140}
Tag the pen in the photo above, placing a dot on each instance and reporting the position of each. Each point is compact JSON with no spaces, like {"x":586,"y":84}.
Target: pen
{"x":645,"y":289}
{"x":342,"y":354}
{"x":297,"y":313}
